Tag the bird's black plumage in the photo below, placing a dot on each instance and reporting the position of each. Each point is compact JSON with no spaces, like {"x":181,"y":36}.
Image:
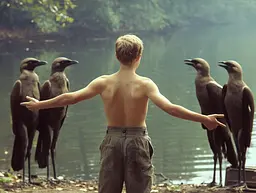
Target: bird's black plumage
{"x":51,"y":120}
{"x":238,"y":102}
{"x":24,"y":121}
{"x":209,"y":95}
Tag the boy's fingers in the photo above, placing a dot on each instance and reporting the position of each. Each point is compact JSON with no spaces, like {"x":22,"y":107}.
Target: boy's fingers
{"x":221,"y":124}
{"x":219,"y":115}
{"x":30,"y":98}
{"x":23,"y":103}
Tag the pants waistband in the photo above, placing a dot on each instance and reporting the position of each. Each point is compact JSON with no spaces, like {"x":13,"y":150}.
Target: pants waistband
{"x":127,"y":130}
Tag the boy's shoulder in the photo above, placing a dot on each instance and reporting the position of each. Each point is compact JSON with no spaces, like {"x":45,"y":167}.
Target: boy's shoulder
{"x":103,"y":77}
{"x":142,"y":79}
{"x":145,"y":79}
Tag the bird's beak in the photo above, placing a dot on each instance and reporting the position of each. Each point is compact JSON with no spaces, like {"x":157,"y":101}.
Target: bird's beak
{"x":189,"y":62}
{"x":223,"y":64}
{"x":71,"y":62}
{"x":41,"y":62}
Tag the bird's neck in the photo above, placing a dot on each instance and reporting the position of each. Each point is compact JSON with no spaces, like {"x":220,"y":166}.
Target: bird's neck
{"x":57,"y":72}
{"x":201,"y":80}
{"x":27,"y":72}
{"x":203,"y":75}
{"x":235,"y":77}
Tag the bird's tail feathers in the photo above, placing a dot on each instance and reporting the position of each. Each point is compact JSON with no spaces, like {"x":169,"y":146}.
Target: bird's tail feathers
{"x":42,"y":150}
{"x":224,"y":150}
{"x":19,"y":152}
{"x":231,"y":152}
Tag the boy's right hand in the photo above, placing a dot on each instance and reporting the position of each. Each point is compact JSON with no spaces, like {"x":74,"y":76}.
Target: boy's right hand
{"x":31,"y":104}
{"x":212,"y":122}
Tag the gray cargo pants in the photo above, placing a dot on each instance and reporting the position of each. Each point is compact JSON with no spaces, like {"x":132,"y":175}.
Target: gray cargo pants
{"x":126,"y":156}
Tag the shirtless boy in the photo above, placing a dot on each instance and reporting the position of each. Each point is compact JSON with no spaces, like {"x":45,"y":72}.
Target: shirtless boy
{"x":126,"y":151}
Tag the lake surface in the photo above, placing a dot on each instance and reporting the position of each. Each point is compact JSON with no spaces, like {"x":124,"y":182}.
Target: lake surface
{"x":182,"y":151}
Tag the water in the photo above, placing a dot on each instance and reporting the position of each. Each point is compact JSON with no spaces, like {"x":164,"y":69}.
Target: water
{"x":182,"y":151}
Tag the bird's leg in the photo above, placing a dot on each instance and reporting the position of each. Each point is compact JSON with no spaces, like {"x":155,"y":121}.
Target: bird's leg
{"x":29,"y":174}
{"x":24,"y":171}
{"x":31,"y":136}
{"x":53,"y":162}
{"x":220,"y":164}
{"x":53,"y":147}
{"x":213,"y":183}
{"x":239,"y":165}
{"x":244,"y":172}
{"x":47,"y":161}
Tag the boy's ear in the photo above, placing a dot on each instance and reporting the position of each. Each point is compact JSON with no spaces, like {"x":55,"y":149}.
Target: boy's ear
{"x":139,"y":57}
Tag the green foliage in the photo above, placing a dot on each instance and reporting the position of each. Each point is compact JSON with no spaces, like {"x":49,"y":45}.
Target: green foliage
{"x":142,"y":15}
{"x":6,"y":179}
{"x":154,"y":15}
{"x":122,"y":15}
{"x":48,"y":15}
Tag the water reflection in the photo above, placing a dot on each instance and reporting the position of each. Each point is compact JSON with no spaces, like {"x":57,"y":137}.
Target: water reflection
{"x":181,"y":148}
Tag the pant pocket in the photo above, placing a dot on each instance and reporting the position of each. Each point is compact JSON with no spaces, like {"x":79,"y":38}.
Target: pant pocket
{"x":151,"y":148}
{"x":139,"y":155}
{"x":110,"y":153}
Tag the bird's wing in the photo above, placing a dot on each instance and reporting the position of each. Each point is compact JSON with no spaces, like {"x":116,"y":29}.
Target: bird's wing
{"x":62,"y":121}
{"x":16,"y":97}
{"x":224,"y":91}
{"x":45,"y":93}
{"x":214,"y":93}
{"x":39,"y":88}
{"x":217,"y":95}
{"x":68,"y":84}
{"x":248,"y":114}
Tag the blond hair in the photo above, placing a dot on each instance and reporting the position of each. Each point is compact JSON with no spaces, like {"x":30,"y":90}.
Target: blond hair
{"x":128,"y":48}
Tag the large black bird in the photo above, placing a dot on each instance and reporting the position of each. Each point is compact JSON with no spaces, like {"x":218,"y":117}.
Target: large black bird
{"x":51,"y":120}
{"x":239,"y":111}
{"x":209,"y":95}
{"x":24,"y":121}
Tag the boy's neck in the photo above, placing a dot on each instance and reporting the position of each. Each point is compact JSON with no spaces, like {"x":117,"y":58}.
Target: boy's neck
{"x":127,"y":69}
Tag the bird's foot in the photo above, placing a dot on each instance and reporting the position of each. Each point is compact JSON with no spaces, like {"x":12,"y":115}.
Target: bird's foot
{"x":53,"y":181}
{"x":241,"y":185}
{"x":220,"y":185}
{"x":36,"y":183}
{"x":212,"y":184}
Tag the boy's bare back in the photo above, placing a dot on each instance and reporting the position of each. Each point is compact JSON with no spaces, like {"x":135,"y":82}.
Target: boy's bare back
{"x":125,"y":100}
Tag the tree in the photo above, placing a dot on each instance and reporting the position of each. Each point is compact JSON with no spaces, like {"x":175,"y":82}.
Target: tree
{"x":47,"y":15}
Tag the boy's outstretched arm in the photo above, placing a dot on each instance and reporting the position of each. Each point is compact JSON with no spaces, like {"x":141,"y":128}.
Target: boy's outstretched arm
{"x":94,"y":88}
{"x":162,"y":102}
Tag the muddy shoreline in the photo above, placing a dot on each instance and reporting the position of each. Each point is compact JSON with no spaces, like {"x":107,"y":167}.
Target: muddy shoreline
{"x":40,"y":185}
{"x":12,"y":182}
{"x":90,"y":186}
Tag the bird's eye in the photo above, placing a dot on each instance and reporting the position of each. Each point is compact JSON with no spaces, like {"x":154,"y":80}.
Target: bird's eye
{"x":231,"y":65}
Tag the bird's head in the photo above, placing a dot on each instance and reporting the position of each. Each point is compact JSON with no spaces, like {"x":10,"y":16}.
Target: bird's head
{"x":60,"y":63}
{"x":202,"y":67}
{"x":233,"y":68}
{"x":30,"y":64}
